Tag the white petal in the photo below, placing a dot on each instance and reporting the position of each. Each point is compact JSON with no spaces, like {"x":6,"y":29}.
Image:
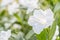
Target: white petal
{"x":29,"y":10}
{"x":17,"y":26}
{"x":5,"y":35}
{"x":30,"y":21}
{"x":6,"y":2}
{"x":22,"y":2}
{"x":13,"y":8}
{"x":49,"y":16}
{"x":29,"y":3}
{"x":7,"y":25}
{"x":8,"y":33}
{"x":38,"y":29}
{"x":38,"y":13}
{"x":49,"y":13}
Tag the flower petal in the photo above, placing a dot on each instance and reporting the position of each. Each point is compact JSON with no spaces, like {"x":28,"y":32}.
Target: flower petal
{"x":49,"y":13}
{"x":38,"y":29}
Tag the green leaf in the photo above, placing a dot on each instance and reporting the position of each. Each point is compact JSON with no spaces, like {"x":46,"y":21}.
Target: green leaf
{"x":2,"y":13}
{"x":57,"y":7}
{"x":52,"y":31}
{"x":42,"y":35}
{"x":58,"y":18}
{"x":18,"y":18}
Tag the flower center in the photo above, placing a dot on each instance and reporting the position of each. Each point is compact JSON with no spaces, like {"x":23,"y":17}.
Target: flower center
{"x":43,"y":21}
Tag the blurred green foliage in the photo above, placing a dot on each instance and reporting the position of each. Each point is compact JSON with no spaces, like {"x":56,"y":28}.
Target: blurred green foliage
{"x":26,"y":30}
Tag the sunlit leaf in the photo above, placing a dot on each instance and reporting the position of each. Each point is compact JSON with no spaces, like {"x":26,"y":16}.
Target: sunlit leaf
{"x":18,"y":18}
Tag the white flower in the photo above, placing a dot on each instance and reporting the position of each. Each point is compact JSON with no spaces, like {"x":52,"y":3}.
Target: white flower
{"x":7,"y":25}
{"x":17,"y":26}
{"x":29,"y":10}
{"x":6,"y":2}
{"x":41,"y":19}
{"x":4,"y":19}
{"x":29,"y":3}
{"x":56,"y":33}
{"x":13,"y":8}
{"x":12,"y":20}
{"x":5,"y":35}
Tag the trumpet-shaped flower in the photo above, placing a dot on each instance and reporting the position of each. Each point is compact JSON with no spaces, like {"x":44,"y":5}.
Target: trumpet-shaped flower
{"x":13,"y":8}
{"x":41,"y":19}
{"x":6,"y":2}
{"x":29,"y":3}
{"x":7,"y":25}
{"x":17,"y":26}
{"x":5,"y":35}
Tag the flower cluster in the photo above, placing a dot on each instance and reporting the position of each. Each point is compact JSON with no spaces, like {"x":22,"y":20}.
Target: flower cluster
{"x":5,"y":35}
{"x":20,"y":19}
{"x":13,"y":6}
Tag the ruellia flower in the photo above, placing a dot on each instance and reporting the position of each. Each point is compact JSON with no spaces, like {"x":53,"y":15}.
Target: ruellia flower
{"x":5,"y":35}
{"x":17,"y":26}
{"x":13,"y":8}
{"x":41,"y":19}
{"x":29,"y":4}
{"x":6,"y":2}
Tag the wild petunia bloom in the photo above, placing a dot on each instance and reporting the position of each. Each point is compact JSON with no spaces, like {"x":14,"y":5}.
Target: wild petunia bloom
{"x":29,"y":4}
{"x":41,"y":19}
{"x":5,"y":35}
{"x":13,"y":8}
{"x":17,"y":26}
{"x":6,"y":2}
{"x":7,"y":25}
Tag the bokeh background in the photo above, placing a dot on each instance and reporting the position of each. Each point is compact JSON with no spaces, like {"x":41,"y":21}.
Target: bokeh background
{"x":18,"y":22}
